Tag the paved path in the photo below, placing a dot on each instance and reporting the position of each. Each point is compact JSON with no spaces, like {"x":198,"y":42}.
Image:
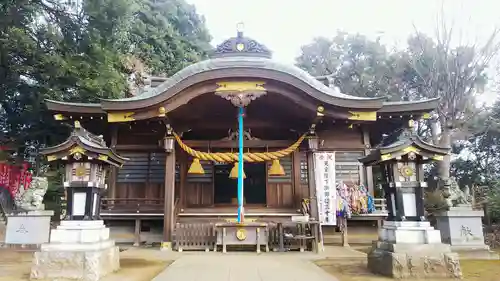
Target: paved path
{"x":243,"y":267}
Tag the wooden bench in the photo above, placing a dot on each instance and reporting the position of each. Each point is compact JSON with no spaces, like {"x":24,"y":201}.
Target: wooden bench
{"x":303,"y":232}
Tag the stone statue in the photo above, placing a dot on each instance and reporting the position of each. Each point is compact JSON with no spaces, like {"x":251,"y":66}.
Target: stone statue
{"x":459,"y":196}
{"x":31,"y":198}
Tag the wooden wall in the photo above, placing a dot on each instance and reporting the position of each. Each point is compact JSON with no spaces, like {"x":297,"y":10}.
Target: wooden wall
{"x":199,"y":189}
{"x":341,"y":138}
{"x":144,"y":175}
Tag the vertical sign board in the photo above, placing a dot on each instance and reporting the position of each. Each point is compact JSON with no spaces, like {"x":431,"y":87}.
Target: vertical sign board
{"x":326,"y":189}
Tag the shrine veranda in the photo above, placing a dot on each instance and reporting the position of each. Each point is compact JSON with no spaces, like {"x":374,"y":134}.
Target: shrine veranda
{"x":180,"y":136}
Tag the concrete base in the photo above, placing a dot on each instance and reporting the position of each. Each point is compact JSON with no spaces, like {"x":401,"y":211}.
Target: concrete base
{"x":78,"y":250}
{"x":462,"y":228}
{"x":412,"y":250}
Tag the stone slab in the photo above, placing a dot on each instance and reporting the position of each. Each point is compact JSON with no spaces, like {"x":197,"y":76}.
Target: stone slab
{"x":32,"y":227}
{"x":476,"y":254}
{"x":462,"y":228}
{"x":86,"y":235}
{"x":80,"y":224}
{"x":461,"y":212}
{"x":409,"y":232}
{"x":243,"y":267}
{"x":414,"y":264}
{"x":75,"y":265}
{"x":421,"y":249}
{"x":77,"y":247}
{"x":34,"y":213}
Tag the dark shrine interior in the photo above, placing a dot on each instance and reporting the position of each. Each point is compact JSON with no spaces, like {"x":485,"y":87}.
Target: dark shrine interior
{"x":225,"y":188}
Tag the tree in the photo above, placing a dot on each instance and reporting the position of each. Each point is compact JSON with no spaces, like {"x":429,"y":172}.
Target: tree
{"x":168,"y":35}
{"x":427,"y":68}
{"x":81,"y":53}
{"x":357,"y":65}
{"x":455,"y":75}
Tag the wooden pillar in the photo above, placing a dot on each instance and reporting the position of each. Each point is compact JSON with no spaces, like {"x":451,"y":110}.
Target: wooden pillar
{"x":368,"y":169}
{"x":345,"y":238}
{"x":313,"y":201}
{"x":183,"y":169}
{"x":168,"y":217}
{"x":297,"y":189}
{"x":113,"y":173}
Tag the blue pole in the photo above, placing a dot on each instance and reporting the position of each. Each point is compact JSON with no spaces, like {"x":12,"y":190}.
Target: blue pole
{"x":240,"y":164}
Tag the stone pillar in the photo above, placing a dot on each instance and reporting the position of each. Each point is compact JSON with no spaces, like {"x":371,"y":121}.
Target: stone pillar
{"x":169,"y":216}
{"x":368,"y":169}
{"x":462,"y":228}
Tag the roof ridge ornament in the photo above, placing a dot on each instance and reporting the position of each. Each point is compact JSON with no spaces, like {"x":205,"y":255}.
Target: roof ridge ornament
{"x":241,"y":46}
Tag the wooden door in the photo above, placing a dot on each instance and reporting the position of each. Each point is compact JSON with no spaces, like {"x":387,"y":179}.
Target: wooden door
{"x":280,"y":191}
{"x":199,"y":189}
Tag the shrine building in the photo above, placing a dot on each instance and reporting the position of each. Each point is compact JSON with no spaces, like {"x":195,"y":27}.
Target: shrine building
{"x":180,"y":136}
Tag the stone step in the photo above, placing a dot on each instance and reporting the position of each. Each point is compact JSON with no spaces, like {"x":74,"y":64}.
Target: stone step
{"x":478,"y":255}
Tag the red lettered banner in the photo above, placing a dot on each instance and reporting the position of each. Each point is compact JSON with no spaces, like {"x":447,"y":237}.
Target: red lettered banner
{"x":13,"y":178}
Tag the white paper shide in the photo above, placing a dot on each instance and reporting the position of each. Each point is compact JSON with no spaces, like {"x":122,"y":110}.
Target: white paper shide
{"x":326,"y":193}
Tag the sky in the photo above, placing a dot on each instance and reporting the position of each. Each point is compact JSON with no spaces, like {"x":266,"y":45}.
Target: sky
{"x":285,"y":25}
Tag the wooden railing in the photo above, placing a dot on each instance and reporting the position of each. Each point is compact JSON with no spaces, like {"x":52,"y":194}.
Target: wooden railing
{"x":380,"y":205}
{"x":132,"y":205}
{"x":194,"y":236}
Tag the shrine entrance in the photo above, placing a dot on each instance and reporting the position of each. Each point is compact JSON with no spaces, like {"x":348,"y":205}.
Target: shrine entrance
{"x":255,"y":184}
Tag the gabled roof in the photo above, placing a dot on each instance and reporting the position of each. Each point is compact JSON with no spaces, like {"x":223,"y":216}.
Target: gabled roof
{"x":246,"y":59}
{"x":82,"y":142}
{"x":246,"y":68}
{"x":409,"y":143}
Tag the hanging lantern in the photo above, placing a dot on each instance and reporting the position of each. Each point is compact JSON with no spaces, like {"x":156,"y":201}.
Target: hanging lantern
{"x":196,"y":167}
{"x":276,"y":169}
{"x":168,"y":143}
{"x":313,"y":142}
{"x":234,"y":172}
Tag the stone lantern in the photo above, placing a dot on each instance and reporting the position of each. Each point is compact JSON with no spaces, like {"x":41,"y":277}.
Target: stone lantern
{"x":81,"y":241}
{"x":86,"y":159}
{"x":407,"y":242}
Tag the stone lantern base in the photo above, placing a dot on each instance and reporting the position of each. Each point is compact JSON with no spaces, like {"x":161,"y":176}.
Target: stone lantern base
{"x":78,"y":250}
{"x":412,"y":250}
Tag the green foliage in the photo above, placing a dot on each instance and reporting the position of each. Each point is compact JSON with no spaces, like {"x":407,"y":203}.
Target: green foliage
{"x":168,"y":35}
{"x":52,"y":50}
{"x":359,"y":66}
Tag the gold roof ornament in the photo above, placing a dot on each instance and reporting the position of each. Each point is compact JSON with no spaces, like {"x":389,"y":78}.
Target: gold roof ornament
{"x":81,"y":143}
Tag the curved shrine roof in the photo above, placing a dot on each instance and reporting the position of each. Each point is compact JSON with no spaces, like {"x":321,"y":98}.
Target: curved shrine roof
{"x":410,"y":142}
{"x":244,"y":58}
{"x":83,"y":142}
